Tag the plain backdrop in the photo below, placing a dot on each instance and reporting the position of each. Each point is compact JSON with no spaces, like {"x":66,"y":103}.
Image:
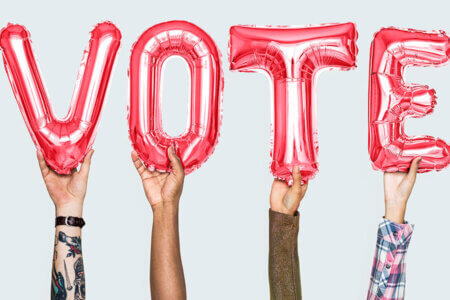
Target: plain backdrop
{"x":224,"y":208}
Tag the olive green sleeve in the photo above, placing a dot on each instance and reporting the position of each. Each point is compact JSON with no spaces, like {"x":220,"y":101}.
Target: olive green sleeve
{"x":284,"y":268}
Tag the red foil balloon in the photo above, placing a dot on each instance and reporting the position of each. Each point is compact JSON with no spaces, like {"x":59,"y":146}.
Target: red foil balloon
{"x":392,"y":101}
{"x":292,"y":58}
{"x":148,"y":55}
{"x":63,"y":142}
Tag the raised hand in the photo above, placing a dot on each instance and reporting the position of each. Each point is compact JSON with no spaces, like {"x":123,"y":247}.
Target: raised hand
{"x":397,"y":189}
{"x":161,"y":188}
{"x":67,"y":191}
{"x":285,"y":199}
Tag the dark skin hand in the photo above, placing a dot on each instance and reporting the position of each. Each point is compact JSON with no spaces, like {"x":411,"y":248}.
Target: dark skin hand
{"x":161,"y":188}
{"x":285,"y":199}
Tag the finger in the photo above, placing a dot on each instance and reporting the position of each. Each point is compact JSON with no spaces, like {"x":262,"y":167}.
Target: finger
{"x":42,"y":164}
{"x":412,"y":173}
{"x":175,"y":162}
{"x":304,"y":188}
{"x":137,"y":163}
{"x":279,"y":181}
{"x":297,"y":179}
{"x":86,"y":165}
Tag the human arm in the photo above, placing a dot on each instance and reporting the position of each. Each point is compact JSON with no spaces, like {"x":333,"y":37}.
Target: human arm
{"x":284,"y":267}
{"x":388,"y":276}
{"x":163,"y":191}
{"x":67,"y":193}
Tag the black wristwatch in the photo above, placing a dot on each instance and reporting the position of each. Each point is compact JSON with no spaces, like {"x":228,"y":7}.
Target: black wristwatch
{"x":70,"y":221}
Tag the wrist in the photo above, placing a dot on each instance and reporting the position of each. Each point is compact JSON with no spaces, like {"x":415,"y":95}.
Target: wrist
{"x":395,"y":213}
{"x":165,"y":208}
{"x":69,"y":210}
{"x":283,"y":210}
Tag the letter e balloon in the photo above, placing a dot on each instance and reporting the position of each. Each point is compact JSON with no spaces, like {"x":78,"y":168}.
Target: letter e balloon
{"x":392,"y":101}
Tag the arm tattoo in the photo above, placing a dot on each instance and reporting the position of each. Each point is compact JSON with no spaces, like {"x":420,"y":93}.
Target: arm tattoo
{"x":69,"y":286}
{"x":74,"y":243}
{"x":58,"y":286}
{"x":79,"y":282}
{"x":61,"y":284}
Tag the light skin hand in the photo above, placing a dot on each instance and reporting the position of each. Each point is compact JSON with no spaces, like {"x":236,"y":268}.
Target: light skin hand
{"x":285,"y":199}
{"x":397,"y":189}
{"x":67,"y":191}
{"x":161,"y":189}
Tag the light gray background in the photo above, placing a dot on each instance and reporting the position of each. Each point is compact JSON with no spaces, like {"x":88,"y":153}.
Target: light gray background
{"x":225,"y":204}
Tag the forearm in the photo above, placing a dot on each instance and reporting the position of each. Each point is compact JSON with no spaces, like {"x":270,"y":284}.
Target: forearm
{"x":68,"y":281}
{"x":284,"y":267}
{"x":388,"y":276}
{"x":166,"y":269}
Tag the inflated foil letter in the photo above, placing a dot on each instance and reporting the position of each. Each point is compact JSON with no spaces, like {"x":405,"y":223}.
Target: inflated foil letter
{"x":63,"y":142}
{"x":392,"y":101}
{"x":149,"y":53}
{"x":292,"y":57}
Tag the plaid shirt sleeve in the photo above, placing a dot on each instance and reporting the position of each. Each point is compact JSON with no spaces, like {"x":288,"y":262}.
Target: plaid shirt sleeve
{"x":387,"y":281}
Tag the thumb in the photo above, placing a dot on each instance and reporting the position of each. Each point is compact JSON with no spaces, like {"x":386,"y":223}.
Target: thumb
{"x":175,"y":162}
{"x":297,"y":179}
{"x":42,"y":164}
{"x":412,"y":173}
{"x":86,"y":165}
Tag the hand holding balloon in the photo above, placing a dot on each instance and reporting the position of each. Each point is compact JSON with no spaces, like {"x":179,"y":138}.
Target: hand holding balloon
{"x":397,"y":189}
{"x":285,"y":199}
{"x":162,"y":189}
{"x":67,"y":191}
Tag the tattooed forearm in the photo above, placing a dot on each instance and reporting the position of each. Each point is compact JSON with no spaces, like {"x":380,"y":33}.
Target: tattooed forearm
{"x":68,"y":281}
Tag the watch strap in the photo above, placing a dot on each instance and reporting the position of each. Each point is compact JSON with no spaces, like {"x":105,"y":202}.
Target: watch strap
{"x":70,"y":221}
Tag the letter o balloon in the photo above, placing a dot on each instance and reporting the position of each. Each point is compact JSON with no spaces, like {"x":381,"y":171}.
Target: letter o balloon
{"x":148,"y":56}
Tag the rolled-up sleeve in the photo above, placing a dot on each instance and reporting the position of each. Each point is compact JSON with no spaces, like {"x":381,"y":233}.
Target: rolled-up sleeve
{"x":387,"y":280}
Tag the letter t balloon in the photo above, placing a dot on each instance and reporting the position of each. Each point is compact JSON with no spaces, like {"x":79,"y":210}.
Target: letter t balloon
{"x":292,"y":57}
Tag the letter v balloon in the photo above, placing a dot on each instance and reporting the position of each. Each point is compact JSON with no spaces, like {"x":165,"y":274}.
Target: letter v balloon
{"x":292,"y":57}
{"x":148,"y":56}
{"x":63,"y":142}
